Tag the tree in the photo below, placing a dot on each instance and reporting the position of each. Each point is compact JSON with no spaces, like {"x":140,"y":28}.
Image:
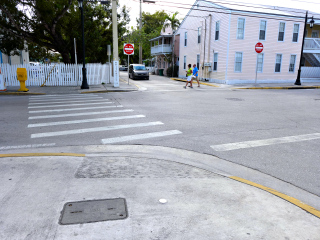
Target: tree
{"x":54,"y":24}
{"x":151,"y":27}
{"x":172,"y":22}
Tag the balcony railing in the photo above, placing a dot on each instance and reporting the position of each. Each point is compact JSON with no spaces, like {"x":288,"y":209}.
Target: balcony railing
{"x":311,"y":44}
{"x":160,"y":49}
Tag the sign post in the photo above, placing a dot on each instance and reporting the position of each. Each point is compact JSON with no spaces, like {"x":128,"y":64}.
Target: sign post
{"x":259,"y":49}
{"x":128,"y":49}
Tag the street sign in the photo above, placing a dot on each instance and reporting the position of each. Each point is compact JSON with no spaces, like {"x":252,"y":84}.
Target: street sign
{"x":259,"y":47}
{"x":128,"y":49}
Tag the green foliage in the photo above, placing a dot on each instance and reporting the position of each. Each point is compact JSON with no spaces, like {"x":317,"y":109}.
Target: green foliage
{"x":54,"y":24}
{"x":151,"y":28}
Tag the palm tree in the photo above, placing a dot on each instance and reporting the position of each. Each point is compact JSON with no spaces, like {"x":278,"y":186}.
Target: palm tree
{"x":174,"y":23}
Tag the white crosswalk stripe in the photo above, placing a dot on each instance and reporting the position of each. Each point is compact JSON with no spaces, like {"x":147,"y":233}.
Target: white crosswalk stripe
{"x":76,"y":104}
{"x":72,"y":109}
{"x":64,"y":99}
{"x":139,"y":136}
{"x":97,"y":129}
{"x":42,"y":111}
{"x":83,"y":121}
{"x":80,"y":114}
{"x":265,"y":142}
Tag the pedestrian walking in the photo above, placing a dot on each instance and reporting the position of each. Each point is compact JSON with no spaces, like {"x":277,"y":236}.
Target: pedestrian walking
{"x":195,"y":74}
{"x":189,"y":76}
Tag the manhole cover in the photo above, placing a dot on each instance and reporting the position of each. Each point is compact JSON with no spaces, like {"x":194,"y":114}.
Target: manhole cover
{"x":93,"y":211}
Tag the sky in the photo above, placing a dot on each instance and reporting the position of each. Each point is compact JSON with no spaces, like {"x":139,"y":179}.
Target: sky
{"x":183,"y":6}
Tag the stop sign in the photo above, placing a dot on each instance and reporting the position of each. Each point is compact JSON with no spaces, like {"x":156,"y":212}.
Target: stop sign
{"x":128,"y":49}
{"x":259,"y":47}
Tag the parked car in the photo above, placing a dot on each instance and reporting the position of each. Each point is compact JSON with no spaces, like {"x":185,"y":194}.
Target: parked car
{"x":138,"y":71}
{"x":123,"y":68}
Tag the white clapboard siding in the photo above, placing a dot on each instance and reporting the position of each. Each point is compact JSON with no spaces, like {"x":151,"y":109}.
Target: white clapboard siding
{"x":56,"y":74}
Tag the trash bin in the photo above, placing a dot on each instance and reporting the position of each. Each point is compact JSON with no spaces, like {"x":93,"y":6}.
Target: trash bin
{"x":160,"y":72}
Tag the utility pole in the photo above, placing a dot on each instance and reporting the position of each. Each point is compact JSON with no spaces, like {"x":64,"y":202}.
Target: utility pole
{"x":140,"y":27}
{"x":115,"y":44}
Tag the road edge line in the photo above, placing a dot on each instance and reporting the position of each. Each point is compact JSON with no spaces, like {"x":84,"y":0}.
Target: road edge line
{"x":292,"y":200}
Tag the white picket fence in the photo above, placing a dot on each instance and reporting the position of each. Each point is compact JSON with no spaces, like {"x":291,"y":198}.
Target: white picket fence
{"x":56,"y":74}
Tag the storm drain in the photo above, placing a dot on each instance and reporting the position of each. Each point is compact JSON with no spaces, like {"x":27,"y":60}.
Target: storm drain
{"x":93,"y":211}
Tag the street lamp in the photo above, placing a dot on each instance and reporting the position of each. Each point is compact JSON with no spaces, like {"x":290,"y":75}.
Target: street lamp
{"x":140,"y":27}
{"x":298,"y":82}
{"x":84,"y":70}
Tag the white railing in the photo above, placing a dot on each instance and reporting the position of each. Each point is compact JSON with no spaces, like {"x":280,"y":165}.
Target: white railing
{"x":163,"y":48}
{"x":56,"y":74}
{"x":311,"y":44}
{"x":310,"y":72}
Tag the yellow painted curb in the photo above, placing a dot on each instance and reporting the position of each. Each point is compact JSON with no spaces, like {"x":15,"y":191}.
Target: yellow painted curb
{"x":20,"y":93}
{"x":304,"y":87}
{"x":40,"y":154}
{"x":292,"y":200}
{"x":202,"y":83}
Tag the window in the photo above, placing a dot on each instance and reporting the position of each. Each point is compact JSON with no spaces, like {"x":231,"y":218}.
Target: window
{"x":282,"y":27}
{"x":240,"y":33}
{"x":263,"y":28}
{"x":198,"y":61}
{"x":164,"y":63}
{"x":185,"y":62}
{"x":185,"y":38}
{"x":315,"y":34}
{"x":217,"y":30}
{"x":238,"y":62}
{"x":295,"y":33}
{"x":278,"y":63}
{"x":199,"y":34}
{"x":292,"y":63}
{"x":260,"y":62}
{"x":215,"y":61}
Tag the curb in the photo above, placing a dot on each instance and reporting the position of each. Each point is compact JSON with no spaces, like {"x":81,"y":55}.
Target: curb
{"x":202,"y":83}
{"x":289,"y":199}
{"x":106,"y":91}
{"x":303,"y":87}
{"x":20,"y":93}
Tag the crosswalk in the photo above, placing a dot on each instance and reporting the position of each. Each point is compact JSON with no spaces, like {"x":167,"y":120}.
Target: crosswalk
{"x":69,"y":116}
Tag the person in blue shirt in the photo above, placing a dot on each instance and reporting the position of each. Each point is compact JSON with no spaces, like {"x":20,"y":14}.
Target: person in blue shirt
{"x":195,"y":74}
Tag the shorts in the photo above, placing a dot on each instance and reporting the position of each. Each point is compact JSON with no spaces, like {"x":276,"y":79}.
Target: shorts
{"x":189,"y":78}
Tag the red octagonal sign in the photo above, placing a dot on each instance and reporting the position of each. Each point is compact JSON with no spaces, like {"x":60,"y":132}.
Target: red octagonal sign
{"x":128,"y":49}
{"x":259,"y":47}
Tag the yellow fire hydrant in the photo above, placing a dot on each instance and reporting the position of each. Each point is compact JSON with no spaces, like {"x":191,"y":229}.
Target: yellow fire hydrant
{"x":22,"y":78}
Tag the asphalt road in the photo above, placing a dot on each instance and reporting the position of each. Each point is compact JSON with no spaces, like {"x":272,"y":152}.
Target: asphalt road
{"x":276,"y":132}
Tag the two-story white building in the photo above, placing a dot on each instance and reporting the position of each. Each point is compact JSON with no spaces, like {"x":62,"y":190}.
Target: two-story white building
{"x":221,"y":40}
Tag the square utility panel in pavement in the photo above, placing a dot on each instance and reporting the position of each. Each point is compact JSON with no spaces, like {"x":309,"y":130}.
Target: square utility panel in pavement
{"x":93,"y":211}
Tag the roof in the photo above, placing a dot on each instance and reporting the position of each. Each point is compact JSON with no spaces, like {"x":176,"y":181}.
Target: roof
{"x":161,"y":36}
{"x":253,"y":9}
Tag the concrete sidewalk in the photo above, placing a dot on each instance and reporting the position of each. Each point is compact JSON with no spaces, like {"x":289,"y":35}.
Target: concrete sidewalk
{"x":170,"y":194}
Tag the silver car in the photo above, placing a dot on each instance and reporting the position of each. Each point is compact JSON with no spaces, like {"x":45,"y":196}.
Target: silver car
{"x":138,"y":71}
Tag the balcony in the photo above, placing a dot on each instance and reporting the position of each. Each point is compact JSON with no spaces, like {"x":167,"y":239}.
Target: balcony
{"x":311,"y":45}
{"x":161,"y":49}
